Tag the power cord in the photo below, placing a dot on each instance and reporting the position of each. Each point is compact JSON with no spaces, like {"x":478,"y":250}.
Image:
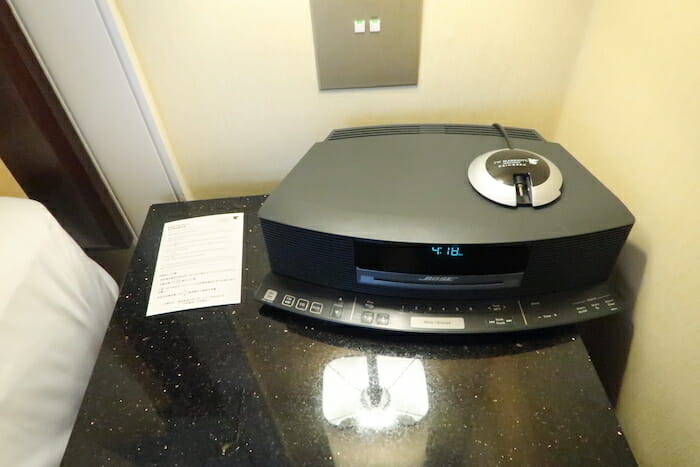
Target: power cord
{"x":504,"y":133}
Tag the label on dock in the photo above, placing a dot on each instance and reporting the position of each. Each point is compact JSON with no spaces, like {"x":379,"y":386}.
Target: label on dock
{"x":436,"y":322}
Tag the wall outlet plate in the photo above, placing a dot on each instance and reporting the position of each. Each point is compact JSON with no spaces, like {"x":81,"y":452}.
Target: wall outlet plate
{"x":346,"y":59}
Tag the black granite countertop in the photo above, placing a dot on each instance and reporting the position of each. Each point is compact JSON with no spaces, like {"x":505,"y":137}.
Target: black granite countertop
{"x":249,"y":385}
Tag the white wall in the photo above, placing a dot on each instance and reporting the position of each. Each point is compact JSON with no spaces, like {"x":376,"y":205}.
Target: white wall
{"x":235,"y":81}
{"x":632,"y":116}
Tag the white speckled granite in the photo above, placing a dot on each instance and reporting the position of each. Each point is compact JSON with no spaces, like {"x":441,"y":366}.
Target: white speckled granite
{"x":243,"y":385}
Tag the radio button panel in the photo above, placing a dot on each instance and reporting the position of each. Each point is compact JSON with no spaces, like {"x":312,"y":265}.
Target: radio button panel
{"x":443,"y":316}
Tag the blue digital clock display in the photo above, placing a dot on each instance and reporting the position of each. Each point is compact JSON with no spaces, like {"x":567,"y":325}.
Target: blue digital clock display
{"x":447,"y":250}
{"x":452,"y":259}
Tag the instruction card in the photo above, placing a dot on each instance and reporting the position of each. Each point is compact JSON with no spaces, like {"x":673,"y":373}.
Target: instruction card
{"x":199,"y":264}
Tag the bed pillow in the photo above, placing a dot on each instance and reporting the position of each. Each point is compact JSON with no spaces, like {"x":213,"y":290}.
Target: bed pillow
{"x":55,"y":304}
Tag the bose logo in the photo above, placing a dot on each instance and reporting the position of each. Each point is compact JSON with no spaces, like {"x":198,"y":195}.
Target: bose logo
{"x":438,"y":278}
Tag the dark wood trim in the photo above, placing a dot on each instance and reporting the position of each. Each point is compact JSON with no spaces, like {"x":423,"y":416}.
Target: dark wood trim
{"x":41,"y":148}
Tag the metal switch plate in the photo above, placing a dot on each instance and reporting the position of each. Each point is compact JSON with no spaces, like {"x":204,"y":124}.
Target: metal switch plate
{"x":347,"y":59}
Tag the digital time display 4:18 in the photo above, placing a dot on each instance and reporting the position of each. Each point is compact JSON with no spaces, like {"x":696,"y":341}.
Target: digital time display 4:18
{"x":447,"y":250}
{"x":435,"y":258}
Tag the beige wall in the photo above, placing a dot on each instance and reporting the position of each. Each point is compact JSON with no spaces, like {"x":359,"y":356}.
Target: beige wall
{"x":235,"y":81}
{"x":235,"y":84}
{"x":8,"y":185}
{"x":632,"y":116}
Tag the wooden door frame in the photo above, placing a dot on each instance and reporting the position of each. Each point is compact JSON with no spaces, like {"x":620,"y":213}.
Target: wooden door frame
{"x":48,"y":154}
{"x":87,"y":56}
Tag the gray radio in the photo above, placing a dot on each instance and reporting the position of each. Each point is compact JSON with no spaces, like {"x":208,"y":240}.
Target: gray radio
{"x":450,"y":215}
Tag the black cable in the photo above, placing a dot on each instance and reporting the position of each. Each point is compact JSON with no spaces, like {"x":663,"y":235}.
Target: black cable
{"x":504,"y":133}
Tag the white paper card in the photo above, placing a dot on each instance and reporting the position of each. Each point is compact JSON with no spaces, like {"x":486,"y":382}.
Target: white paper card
{"x":199,"y":264}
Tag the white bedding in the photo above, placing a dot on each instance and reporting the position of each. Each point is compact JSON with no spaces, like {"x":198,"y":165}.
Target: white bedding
{"x":55,"y":304}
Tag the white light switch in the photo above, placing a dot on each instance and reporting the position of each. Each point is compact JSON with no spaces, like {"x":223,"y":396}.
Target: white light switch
{"x":359,"y":26}
{"x":375,"y":25}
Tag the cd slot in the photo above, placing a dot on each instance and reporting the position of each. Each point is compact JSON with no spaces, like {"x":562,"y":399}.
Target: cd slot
{"x":438,"y":282}
{"x":487,"y":284}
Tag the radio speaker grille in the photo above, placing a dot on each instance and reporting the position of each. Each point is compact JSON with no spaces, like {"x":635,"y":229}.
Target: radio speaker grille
{"x":554,"y":265}
{"x":448,"y":129}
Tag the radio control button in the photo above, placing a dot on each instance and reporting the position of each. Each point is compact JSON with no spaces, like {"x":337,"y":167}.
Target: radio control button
{"x":289,"y":300}
{"x":367,"y":317}
{"x":499,"y":321}
{"x":302,"y":304}
{"x":270,"y":295}
{"x":383,"y":319}
{"x":316,"y":307}
{"x":337,"y":311}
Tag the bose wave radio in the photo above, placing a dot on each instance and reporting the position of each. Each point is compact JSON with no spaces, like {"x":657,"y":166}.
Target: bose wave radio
{"x":442,"y":228}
